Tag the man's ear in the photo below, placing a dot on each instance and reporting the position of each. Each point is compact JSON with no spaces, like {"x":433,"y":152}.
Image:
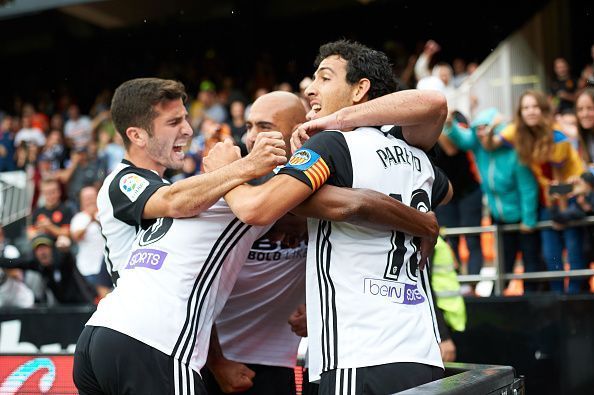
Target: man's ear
{"x":361,"y":89}
{"x":137,"y":136}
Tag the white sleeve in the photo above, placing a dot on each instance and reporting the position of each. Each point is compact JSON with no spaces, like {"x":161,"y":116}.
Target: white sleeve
{"x":422,"y":67}
{"x":79,"y":221}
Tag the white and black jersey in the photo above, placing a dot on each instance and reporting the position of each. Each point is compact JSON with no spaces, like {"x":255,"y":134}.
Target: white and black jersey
{"x":253,"y":326}
{"x":120,"y":204}
{"x":367,"y":303}
{"x":170,"y":287}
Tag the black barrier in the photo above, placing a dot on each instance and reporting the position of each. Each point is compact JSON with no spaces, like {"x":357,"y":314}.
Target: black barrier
{"x":465,"y":378}
{"x":41,"y":330}
{"x":547,"y":338}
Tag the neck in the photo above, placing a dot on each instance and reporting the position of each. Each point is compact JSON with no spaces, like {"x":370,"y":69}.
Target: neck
{"x":140,"y":159}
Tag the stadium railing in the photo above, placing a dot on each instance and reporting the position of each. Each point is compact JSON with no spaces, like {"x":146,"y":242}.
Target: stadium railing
{"x":16,"y":195}
{"x":501,"y":277}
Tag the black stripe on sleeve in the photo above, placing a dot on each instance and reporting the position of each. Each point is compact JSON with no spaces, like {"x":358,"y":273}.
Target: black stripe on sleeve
{"x":333,"y":148}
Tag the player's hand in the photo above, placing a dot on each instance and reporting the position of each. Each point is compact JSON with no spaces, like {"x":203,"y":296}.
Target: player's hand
{"x":448,"y":350}
{"x":232,"y":376}
{"x":269,"y":151}
{"x":298,"y":321}
{"x":313,"y":126}
{"x":221,"y":154}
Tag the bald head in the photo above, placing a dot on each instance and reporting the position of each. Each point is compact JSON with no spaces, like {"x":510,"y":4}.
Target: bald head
{"x":275,"y":111}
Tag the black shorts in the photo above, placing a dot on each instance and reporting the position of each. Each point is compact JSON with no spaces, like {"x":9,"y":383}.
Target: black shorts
{"x":378,"y":380}
{"x":109,"y":362}
{"x":269,"y":380}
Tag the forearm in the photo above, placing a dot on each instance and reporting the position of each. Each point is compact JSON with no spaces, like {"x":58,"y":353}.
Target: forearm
{"x":193,"y":195}
{"x":421,"y":115}
{"x":78,"y":235}
{"x":367,"y":208}
{"x":56,"y":230}
{"x":265,"y":204}
{"x":422,"y":66}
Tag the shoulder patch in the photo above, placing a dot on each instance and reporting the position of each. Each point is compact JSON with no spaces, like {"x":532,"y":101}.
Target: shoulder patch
{"x":132,"y":185}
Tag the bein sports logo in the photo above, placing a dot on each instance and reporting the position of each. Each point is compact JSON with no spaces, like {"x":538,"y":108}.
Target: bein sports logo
{"x":17,"y":379}
{"x":394,"y":292}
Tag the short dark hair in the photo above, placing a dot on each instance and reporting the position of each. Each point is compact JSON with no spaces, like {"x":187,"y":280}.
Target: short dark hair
{"x":133,"y":103}
{"x":362,"y":62}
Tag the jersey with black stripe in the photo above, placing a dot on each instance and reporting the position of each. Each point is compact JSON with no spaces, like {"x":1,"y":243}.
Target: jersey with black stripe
{"x":253,"y":327}
{"x":170,"y":290}
{"x":120,"y":203}
{"x":367,"y":302}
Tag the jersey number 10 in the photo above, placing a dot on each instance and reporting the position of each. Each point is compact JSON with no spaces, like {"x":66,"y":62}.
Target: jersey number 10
{"x":420,"y":201}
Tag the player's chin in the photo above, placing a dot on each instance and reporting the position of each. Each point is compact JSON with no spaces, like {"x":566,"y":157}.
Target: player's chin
{"x":175,"y":164}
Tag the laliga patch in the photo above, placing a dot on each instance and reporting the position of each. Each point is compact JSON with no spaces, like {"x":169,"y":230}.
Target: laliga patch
{"x":303,"y":159}
{"x":132,"y":185}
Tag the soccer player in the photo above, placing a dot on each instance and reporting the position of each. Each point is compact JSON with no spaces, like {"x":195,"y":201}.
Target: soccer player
{"x":150,"y":116}
{"x":252,"y":327}
{"x":370,"y":321}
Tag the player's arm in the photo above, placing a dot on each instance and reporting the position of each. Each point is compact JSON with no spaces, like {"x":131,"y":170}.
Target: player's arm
{"x":191,"y":196}
{"x":421,"y":114}
{"x":367,"y":208}
{"x":231,"y":376}
{"x":266,"y":203}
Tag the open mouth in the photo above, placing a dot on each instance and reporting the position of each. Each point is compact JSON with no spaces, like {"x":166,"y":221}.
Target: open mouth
{"x":178,"y":149}
{"x":315,"y":108}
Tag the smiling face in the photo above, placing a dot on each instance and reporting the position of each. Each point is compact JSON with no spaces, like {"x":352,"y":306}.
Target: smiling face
{"x":329,"y":90}
{"x":530,"y":110}
{"x":170,"y":134}
{"x":584,"y":107}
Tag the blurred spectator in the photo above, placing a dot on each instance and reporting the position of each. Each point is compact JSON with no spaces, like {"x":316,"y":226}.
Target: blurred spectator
{"x":54,"y":150}
{"x":563,"y":87}
{"x":7,"y":147}
{"x":206,"y":105}
{"x":510,"y":186}
{"x":553,"y":160}
{"x":57,"y":122}
{"x":110,"y":147}
{"x":62,"y":283}
{"x":53,"y":218}
{"x":78,"y":129}
{"x":238,"y":128}
{"x":86,"y":233}
{"x":585,"y":118}
{"x":460,"y":72}
{"x":210,"y":133}
{"x":85,"y":168}
{"x":439,"y":78}
{"x":13,"y":291}
{"x":29,"y":134}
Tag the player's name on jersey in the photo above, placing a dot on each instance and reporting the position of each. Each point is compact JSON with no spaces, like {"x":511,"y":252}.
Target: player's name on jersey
{"x":396,"y":155}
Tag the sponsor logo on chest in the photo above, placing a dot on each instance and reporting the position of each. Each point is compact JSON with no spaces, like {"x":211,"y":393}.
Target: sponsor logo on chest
{"x":392,"y":291}
{"x":147,"y":258}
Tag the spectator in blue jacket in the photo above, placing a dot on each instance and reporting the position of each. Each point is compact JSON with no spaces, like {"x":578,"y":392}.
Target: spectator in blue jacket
{"x":510,"y":186}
